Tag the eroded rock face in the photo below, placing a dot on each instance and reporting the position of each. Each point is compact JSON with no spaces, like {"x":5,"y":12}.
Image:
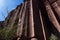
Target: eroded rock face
{"x":58,"y":2}
{"x":52,"y":1}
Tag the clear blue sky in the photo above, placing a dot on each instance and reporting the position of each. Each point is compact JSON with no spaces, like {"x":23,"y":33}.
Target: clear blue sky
{"x":7,"y":5}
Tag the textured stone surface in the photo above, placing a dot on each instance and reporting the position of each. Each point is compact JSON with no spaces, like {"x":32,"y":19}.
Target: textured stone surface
{"x":52,"y":1}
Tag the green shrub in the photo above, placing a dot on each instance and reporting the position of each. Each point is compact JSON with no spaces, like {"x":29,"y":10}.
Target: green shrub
{"x":53,"y":37}
{"x":6,"y":34}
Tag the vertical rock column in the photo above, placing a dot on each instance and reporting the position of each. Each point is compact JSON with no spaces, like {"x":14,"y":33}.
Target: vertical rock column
{"x":19,"y":24}
{"x":21,"y":21}
{"x":31,"y":23}
{"x":52,"y":16}
{"x":42,"y":26}
{"x":55,"y":6}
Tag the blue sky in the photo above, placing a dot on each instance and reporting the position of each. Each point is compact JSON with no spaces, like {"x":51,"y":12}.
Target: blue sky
{"x":7,"y":5}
